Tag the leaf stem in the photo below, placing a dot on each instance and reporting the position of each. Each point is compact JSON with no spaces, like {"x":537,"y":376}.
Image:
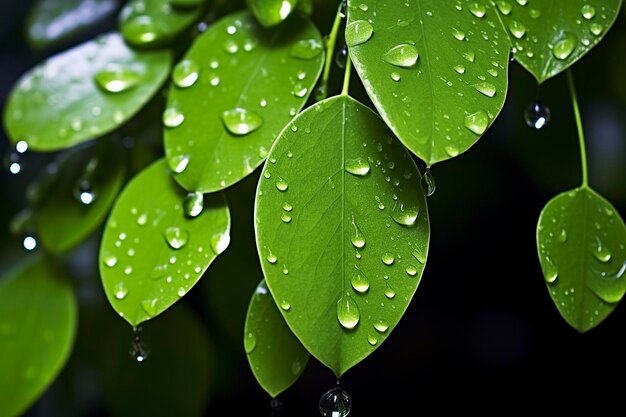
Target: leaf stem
{"x":346,"y":76}
{"x":579,"y":126}
{"x":330,"y":49}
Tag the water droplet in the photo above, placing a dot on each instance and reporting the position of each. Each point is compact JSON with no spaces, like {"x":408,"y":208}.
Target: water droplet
{"x":411,"y":270}
{"x":287,"y":206}
{"x":403,"y":55}
{"x":84,"y":192}
{"x":395,"y":76}
{"x":459,"y":69}
{"x":504,"y":7}
{"x":537,"y":115}
{"x":219,"y":242}
{"x":281,"y":184}
{"x":469,"y":56}
{"x":149,"y":306}
{"x":459,"y":35}
{"x":596,"y":29}
{"x":138,"y":350}
{"x":178,"y":163}
{"x":116,"y":80}
{"x":348,"y":312}
{"x":478,"y":9}
{"x":158,"y":271}
{"x":306,"y":49}
{"x":550,"y":272}
{"x":420,"y":256}
{"x":485,"y":88}
{"x":29,"y":242}
{"x":381,"y":326}
{"x":109,"y":260}
{"x":389,"y":292}
{"x":193,"y":204}
{"x":388,"y":258}
{"x":285,"y":217}
{"x":358,"y":32}
{"x":477,"y":122}
{"x":357,"y":166}
{"x":588,"y":11}
{"x":231,"y":47}
{"x":335,"y":403}
{"x":360,"y":283}
{"x":120,"y":291}
{"x":341,"y":57}
{"x":172,"y":117}
{"x":185,"y":73}
{"x":522,"y":2}
{"x":405,"y":216}
{"x":452,"y":151}
{"x":562,"y":236}
{"x":371,"y":339}
{"x":357,"y":238}
{"x":517,"y":29}
{"x":285,"y":305}
{"x":564,"y":48}
{"x":240,"y":121}
{"x":428,"y":183}
{"x":600,"y":251}
{"x":249,"y":342}
{"x":176,"y":237}
{"x":271,"y":258}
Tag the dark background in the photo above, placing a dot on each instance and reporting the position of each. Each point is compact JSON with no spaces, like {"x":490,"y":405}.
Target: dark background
{"x":481,"y":333}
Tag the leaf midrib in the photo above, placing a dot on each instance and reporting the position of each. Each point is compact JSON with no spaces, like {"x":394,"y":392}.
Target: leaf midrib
{"x":431,"y":143}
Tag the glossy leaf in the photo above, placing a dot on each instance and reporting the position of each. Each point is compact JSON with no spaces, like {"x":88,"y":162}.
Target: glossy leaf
{"x":251,"y":82}
{"x":93,"y":88}
{"x":148,"y":23}
{"x":74,"y":194}
{"x":51,"y":22}
{"x":37,"y":329}
{"x":435,"y":70}
{"x":549,"y":36}
{"x":175,"y":380}
{"x":581,"y":240}
{"x":276,"y":356}
{"x":342,"y":230}
{"x":158,"y":242}
{"x":272,"y":12}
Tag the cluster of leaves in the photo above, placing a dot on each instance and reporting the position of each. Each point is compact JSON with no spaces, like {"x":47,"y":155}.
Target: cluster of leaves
{"x":342,"y":227}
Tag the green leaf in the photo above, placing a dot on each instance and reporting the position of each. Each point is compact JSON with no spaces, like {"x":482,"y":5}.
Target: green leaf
{"x":74,"y":194}
{"x":150,"y":23}
{"x":158,"y":242}
{"x":276,"y":356}
{"x":37,"y":328}
{"x":51,"y":22}
{"x":251,"y":82}
{"x":581,"y":240}
{"x":342,"y":230}
{"x":93,"y":88}
{"x":175,"y":380}
{"x":435,"y":70}
{"x":549,"y":36}
{"x":271,"y":12}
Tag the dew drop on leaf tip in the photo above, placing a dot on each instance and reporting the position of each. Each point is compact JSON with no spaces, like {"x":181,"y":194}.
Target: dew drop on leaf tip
{"x":138,"y":351}
{"x":335,"y":403}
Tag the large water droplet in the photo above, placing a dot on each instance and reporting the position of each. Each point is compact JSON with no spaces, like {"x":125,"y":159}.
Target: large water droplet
{"x":357,"y":238}
{"x":357,"y":166}
{"x":249,"y":342}
{"x":404,"y":55}
{"x":564,"y":47}
{"x":176,"y":237}
{"x":550,"y":272}
{"x":388,"y":258}
{"x":348,"y":312}
{"x":405,"y":216}
{"x":193,"y":204}
{"x":428,"y":183}
{"x":219,"y":242}
{"x":240,"y":121}
{"x":478,"y":9}
{"x":537,"y":115}
{"x":281,"y":184}
{"x":120,"y":291}
{"x":411,"y":270}
{"x":358,"y":32}
{"x":504,"y":7}
{"x":185,"y":73}
{"x":517,"y":29}
{"x":477,"y":122}
{"x":588,"y":11}
{"x":596,"y":29}
{"x":306,"y":49}
{"x":359,"y":282}
{"x":381,"y":325}
{"x":485,"y":88}
{"x":600,"y":251}
{"x":458,"y":34}
{"x":116,"y":80}
{"x":172,"y":117}
{"x":335,"y":403}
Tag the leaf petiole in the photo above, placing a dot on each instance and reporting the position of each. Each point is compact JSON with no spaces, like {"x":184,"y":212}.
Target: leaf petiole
{"x":330,"y":49}
{"x":579,"y":126}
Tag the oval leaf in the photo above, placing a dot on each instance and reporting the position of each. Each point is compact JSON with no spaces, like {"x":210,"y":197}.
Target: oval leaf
{"x":154,"y":249}
{"x":94,"y":88}
{"x":74,"y":194}
{"x":342,"y":230}
{"x":271,"y":12}
{"x":51,"y":22}
{"x":581,"y":240}
{"x":435,"y":70}
{"x":250,"y":83}
{"x":276,"y":356}
{"x":37,"y":329}
{"x":155,"y":22}
{"x":549,"y":36}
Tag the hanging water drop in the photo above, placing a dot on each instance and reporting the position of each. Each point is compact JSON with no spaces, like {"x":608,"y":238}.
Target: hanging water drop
{"x":29,"y":242}
{"x":172,"y":117}
{"x":138,"y":350}
{"x":185,"y":73}
{"x":357,"y":238}
{"x":348,"y":312}
{"x":341,"y":57}
{"x":537,"y":115}
{"x":12,"y":160}
{"x":240,"y":121}
{"x":176,"y":237}
{"x":428,"y":183}
{"x":403,"y":55}
{"x":358,"y":32}
{"x":335,"y":403}
{"x":193,"y":204}
{"x":564,"y":47}
{"x":116,"y":80}
{"x":357,"y":166}
{"x":83,"y":191}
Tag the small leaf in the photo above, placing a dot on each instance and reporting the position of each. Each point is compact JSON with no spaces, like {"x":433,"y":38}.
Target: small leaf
{"x":252,"y":82}
{"x":74,"y":194}
{"x":149,"y":23}
{"x":276,"y":356}
{"x":152,"y":251}
{"x":549,"y":36}
{"x":435,"y":70}
{"x":342,"y":249}
{"x":37,"y":329}
{"x":581,"y":240}
{"x":51,"y":22}
{"x":271,"y":12}
{"x":93,"y":88}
